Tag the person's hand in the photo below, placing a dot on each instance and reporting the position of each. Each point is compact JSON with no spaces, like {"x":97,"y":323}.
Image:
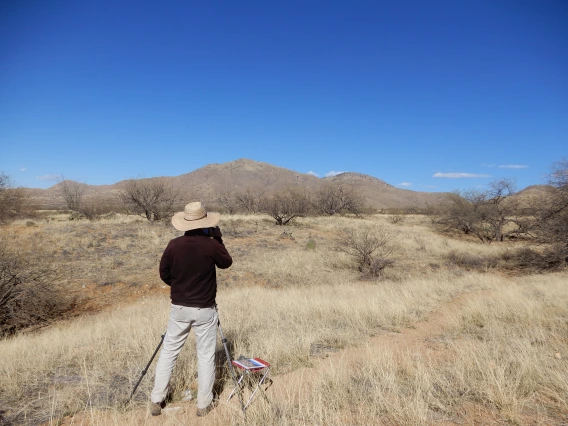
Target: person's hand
{"x":216,"y":232}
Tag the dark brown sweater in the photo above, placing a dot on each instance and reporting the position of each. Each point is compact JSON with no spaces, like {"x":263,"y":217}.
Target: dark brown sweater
{"x":188,"y":266}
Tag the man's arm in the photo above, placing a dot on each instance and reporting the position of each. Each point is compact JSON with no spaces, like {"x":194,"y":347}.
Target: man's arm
{"x":222,"y":257}
{"x":165,"y":268}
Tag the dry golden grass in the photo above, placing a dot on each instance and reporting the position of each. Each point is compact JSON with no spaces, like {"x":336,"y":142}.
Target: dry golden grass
{"x":500,"y":357}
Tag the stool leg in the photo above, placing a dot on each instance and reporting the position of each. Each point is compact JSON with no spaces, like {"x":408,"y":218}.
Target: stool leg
{"x":237,"y":386}
{"x":258,"y":386}
{"x":231,"y":369}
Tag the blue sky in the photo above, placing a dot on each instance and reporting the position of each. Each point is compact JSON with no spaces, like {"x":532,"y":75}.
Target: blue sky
{"x":426,"y":95}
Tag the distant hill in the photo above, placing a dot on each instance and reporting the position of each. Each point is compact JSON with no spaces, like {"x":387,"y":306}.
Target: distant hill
{"x":534,"y":195}
{"x":206,"y":183}
{"x":381,"y":195}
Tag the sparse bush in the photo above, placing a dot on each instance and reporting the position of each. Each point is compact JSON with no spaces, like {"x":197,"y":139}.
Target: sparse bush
{"x":245,"y":201}
{"x":472,"y":262}
{"x":396,"y":218}
{"x":286,"y":206}
{"x":154,"y":199}
{"x":468,"y":261}
{"x":337,"y":198}
{"x":249,"y":200}
{"x":98,"y":207}
{"x":433,"y":212}
{"x":12,"y":200}
{"x":552,"y":218}
{"x":72,"y":193}
{"x":29,"y":295}
{"x":370,"y":248}
{"x":528,"y":260}
{"x":228,"y":202}
{"x":490,"y":215}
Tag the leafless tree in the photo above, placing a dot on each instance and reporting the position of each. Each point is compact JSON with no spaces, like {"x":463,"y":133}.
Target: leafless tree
{"x":490,"y":215}
{"x":12,"y":200}
{"x":5,"y":181}
{"x":100,"y":206}
{"x":459,"y":212}
{"x":72,"y":193}
{"x":286,"y":206}
{"x":249,"y":200}
{"x":498,"y":209}
{"x":553,"y":209}
{"x":153,"y":199}
{"x":337,"y":198}
{"x":433,"y":212}
{"x":228,"y":201}
{"x":559,"y":175}
{"x":370,"y":248}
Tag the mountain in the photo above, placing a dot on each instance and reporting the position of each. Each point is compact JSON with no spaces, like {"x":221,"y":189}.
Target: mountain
{"x":381,"y":195}
{"x":209,"y":182}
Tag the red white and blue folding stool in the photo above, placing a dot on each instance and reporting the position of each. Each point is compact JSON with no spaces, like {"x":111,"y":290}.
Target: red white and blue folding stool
{"x":254,"y":374}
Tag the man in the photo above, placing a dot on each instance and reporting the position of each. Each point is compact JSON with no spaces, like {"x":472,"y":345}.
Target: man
{"x":188,"y":267}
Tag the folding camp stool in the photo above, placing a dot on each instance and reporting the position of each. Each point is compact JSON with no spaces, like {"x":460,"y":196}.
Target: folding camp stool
{"x":254,"y":376}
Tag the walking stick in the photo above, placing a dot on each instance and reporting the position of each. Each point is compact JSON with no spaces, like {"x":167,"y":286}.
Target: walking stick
{"x":229,"y":361}
{"x":146,"y":369}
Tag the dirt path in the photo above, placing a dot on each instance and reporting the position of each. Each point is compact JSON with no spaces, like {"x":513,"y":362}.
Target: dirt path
{"x":289,"y":387}
{"x":416,"y":338}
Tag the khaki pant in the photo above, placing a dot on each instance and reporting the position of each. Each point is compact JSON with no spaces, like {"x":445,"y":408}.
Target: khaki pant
{"x":182,"y":320}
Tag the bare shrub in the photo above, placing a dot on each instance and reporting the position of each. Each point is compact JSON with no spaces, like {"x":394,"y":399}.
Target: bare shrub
{"x":396,"y":218}
{"x":458,"y":213}
{"x":369,"y":247}
{"x":337,"y":198}
{"x":552,"y":219}
{"x":490,"y":215}
{"x":286,"y":206}
{"x":245,"y":201}
{"x":528,"y":260}
{"x":153,"y":199}
{"x":29,"y":295}
{"x":249,"y":200}
{"x":12,"y":200}
{"x":465,"y":260}
{"x":94,"y":208}
{"x":433,"y":212}
{"x":72,"y":193}
{"x":228,"y":202}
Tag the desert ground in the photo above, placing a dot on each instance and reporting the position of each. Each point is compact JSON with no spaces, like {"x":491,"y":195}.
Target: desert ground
{"x":443,"y":337}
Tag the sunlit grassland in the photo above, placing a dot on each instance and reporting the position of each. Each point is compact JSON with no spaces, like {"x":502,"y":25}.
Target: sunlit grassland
{"x":504,"y":350}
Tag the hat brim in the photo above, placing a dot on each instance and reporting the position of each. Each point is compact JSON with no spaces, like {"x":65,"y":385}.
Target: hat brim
{"x":187,"y":225}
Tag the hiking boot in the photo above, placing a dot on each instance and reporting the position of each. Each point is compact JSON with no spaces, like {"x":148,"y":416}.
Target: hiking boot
{"x":202,"y":412}
{"x":156,"y":408}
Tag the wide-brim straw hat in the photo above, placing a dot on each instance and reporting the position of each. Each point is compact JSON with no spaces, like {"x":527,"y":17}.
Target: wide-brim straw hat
{"x":194,"y":216}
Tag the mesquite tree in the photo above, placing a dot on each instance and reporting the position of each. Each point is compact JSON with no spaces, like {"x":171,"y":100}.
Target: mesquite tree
{"x":286,"y":206}
{"x":153,"y":199}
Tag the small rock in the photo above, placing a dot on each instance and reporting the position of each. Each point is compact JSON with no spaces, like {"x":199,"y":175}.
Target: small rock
{"x":187,"y":395}
{"x":558,"y":355}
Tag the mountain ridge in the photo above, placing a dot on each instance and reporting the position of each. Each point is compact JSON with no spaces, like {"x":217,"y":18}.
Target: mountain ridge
{"x":208,"y":182}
